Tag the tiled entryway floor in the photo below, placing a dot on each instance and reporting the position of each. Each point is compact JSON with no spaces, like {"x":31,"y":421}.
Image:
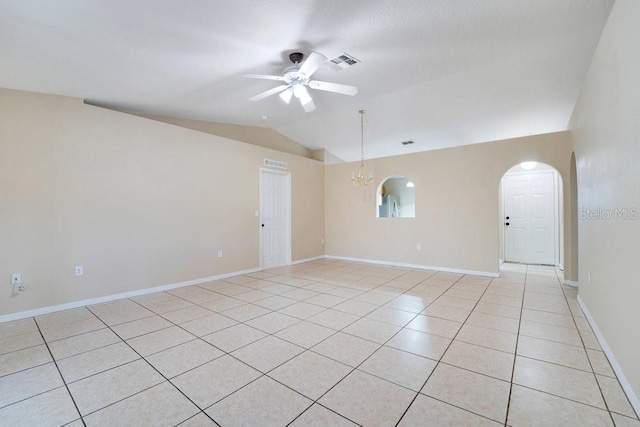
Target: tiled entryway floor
{"x":321,"y":343}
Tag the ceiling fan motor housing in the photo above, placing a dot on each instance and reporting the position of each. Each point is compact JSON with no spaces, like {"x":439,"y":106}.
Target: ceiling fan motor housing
{"x":296,"y":57}
{"x":292,"y":75}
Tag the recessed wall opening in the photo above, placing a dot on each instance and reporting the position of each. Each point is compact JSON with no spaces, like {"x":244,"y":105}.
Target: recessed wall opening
{"x":396,"y":198}
{"x":531,"y":215}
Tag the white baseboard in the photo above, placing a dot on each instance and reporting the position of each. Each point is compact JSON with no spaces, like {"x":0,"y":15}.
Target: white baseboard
{"x":626,"y":386}
{"x":300,"y":261}
{"x":108,"y":298}
{"x":418,"y":266}
{"x":573,"y":283}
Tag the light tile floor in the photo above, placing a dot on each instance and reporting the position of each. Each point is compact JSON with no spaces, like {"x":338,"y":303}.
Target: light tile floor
{"x":326,"y":342}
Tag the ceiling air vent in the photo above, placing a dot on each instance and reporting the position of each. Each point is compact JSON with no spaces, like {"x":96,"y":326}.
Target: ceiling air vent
{"x":275,"y":164}
{"x":407,"y":142}
{"x":341,"y":62}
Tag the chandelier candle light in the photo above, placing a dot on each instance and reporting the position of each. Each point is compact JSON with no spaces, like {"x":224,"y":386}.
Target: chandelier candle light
{"x":362,"y":178}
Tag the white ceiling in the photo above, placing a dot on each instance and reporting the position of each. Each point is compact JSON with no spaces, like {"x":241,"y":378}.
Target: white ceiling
{"x":439,"y":72}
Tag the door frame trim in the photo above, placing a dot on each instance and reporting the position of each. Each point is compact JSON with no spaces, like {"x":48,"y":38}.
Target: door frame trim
{"x":287,"y":214}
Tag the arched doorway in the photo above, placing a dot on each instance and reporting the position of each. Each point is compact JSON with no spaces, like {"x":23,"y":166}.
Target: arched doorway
{"x":531,"y":215}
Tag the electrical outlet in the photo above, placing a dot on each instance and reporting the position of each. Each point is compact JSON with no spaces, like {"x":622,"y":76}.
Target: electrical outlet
{"x":589,"y":278}
{"x":16,"y":282}
{"x":79,"y":271}
{"x":220,"y":253}
{"x":322,"y":241}
{"x":418,"y":247}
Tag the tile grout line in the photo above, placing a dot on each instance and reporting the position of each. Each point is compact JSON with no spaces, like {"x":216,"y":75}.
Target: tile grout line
{"x":200,"y":338}
{"x":563,"y":366}
{"x":328,"y":409}
{"x":515,"y":352}
{"x":566,"y":398}
{"x":225,"y":353}
{"x":23,"y":369}
{"x":60,"y":373}
{"x":445,"y":351}
{"x":317,"y":401}
{"x":440,"y":358}
{"x":151,"y":365}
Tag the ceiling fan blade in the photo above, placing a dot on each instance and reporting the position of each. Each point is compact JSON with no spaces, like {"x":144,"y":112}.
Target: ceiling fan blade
{"x":333,"y":87}
{"x":309,"y":106}
{"x":312,"y":63}
{"x":264,"y":76}
{"x":269,"y":93}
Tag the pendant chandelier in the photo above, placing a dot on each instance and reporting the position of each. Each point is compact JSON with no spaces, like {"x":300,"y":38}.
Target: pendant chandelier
{"x":361,"y":178}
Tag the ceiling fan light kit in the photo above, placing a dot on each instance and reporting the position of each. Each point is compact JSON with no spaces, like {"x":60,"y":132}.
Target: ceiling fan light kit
{"x":286,"y":96}
{"x":297,"y":78}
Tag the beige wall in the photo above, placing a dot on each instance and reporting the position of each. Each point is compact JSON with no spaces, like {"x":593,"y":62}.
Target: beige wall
{"x":261,"y":136}
{"x":138,"y":203}
{"x":457,"y":195}
{"x":325,"y":156}
{"x":606,"y":131}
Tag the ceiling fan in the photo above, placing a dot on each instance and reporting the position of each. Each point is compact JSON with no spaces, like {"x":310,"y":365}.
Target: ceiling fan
{"x":296,"y":79}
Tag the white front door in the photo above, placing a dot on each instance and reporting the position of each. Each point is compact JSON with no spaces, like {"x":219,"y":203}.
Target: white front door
{"x":530,"y":212}
{"x":274,"y":218}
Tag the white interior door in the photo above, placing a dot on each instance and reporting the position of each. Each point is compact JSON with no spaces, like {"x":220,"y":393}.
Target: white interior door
{"x":274,"y":217}
{"x":530,"y":212}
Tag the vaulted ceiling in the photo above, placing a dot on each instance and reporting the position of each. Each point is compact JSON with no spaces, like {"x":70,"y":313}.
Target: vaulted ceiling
{"x":439,"y":72}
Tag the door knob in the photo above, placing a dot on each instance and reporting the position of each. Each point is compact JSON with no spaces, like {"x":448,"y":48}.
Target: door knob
{"x":506,"y":223}
{"x":263,"y":225}
{"x":507,"y":218}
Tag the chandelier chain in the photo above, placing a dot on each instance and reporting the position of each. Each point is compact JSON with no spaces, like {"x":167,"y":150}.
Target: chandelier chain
{"x":362,"y":178}
{"x":361,"y":137}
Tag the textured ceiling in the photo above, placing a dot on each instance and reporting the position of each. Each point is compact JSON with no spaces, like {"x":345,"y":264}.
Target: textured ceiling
{"x":439,"y":72}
